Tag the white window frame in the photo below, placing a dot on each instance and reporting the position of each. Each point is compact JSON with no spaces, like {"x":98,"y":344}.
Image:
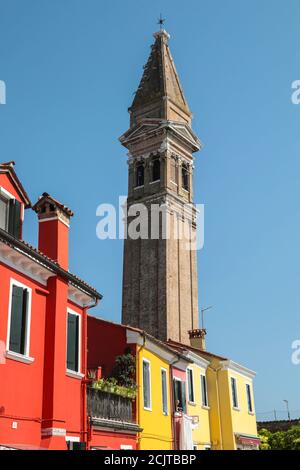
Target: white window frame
{"x":163,"y":370}
{"x":150,"y":388}
{"x":11,"y":354}
{"x":190,"y":370}
{"x":73,"y":373}
{"x":8,"y":196}
{"x":206,"y":391}
{"x":235,"y":407}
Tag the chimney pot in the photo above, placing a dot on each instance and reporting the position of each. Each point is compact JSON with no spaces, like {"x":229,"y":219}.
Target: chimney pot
{"x":197,"y":338}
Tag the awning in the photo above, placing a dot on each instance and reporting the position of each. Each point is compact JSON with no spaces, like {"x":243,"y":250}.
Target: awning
{"x":248,"y":440}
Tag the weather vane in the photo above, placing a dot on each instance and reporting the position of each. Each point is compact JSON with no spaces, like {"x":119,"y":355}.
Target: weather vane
{"x":161,"y":21}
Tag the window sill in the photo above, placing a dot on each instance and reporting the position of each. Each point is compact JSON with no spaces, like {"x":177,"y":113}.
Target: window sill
{"x":153,"y":182}
{"x":147,"y":409}
{"x":251,"y":413}
{"x":205,"y":407}
{"x":192,"y":403}
{"x":74,"y":375}
{"x":235,"y":408}
{"x":19,"y":357}
{"x":138,"y":187}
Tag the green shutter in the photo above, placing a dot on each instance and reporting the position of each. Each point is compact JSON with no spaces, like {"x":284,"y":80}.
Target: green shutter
{"x":146,"y":384}
{"x":14,"y":218}
{"x":164,"y":391}
{"x":175,"y":395}
{"x":183,"y":394}
{"x":18,"y":320}
{"x":73,"y":338}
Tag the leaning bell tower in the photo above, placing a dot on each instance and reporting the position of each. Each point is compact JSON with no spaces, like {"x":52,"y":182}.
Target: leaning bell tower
{"x":160,"y":289}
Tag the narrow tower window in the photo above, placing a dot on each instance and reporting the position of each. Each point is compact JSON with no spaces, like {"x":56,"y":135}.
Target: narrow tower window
{"x":140,"y":175}
{"x":156,"y":170}
{"x":185,"y":177}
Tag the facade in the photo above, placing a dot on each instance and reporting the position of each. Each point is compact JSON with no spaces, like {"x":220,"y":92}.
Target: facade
{"x":187,"y":398}
{"x":113,"y":427}
{"x":43,"y":314}
{"x":221,"y":394}
{"x":161,"y":144}
{"x":153,"y":411}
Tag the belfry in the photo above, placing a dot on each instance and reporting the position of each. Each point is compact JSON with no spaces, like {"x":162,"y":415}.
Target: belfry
{"x":160,"y":291}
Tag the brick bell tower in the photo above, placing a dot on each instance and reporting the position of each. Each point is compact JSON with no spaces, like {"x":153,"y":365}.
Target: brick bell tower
{"x":160,"y":291}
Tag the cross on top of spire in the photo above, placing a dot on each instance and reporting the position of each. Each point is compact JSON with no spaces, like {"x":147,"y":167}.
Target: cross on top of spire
{"x":161,"y":22}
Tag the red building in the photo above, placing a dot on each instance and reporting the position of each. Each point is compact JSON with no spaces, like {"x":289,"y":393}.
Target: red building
{"x":115,"y":428}
{"x":43,"y":326}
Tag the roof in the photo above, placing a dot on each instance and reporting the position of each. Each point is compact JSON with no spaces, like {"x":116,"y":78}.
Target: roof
{"x":39,"y":257}
{"x":160,"y":78}
{"x":184,"y":347}
{"x":8,"y":167}
{"x":45,"y":197}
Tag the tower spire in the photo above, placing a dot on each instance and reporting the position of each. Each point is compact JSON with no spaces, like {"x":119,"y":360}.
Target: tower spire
{"x":160,"y":94}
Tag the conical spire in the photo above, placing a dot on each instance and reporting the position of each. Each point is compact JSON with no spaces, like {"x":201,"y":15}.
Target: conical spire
{"x":160,"y":87}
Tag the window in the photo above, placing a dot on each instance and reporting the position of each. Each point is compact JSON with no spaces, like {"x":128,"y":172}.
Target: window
{"x":10,"y":214}
{"x":19,"y":323}
{"x":179,"y":395}
{"x":139,"y":175}
{"x":73,"y":342}
{"x":190,"y":385}
{"x":204,"y":390}
{"x":249,"y":398}
{"x":173,"y":170}
{"x":164,"y":391}
{"x":3,"y":212}
{"x":156,"y":170}
{"x":185,"y":177}
{"x":234,"y":393}
{"x":146,"y":385}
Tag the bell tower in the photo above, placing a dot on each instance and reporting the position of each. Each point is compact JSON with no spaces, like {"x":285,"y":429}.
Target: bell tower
{"x":160,"y":292}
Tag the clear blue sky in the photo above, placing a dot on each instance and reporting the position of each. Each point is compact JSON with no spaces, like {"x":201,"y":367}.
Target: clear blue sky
{"x":71,"y":67}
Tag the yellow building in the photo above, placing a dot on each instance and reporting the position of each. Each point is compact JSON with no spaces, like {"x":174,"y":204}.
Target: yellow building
{"x":232,"y":410}
{"x":154,"y":399}
{"x":220,"y":399}
{"x":198,"y":404}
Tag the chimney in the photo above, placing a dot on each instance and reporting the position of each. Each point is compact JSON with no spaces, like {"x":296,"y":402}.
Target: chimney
{"x":54,"y":221}
{"x":197,"y":338}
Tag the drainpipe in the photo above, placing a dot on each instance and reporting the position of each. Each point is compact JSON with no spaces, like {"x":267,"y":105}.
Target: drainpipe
{"x":138,"y":350}
{"x":85,"y":381}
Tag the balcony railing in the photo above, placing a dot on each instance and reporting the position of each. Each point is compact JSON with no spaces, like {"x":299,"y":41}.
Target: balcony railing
{"x":105,"y":405}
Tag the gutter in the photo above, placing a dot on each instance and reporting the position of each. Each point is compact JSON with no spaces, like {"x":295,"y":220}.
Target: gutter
{"x":85,"y":417}
{"x":138,"y":382}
